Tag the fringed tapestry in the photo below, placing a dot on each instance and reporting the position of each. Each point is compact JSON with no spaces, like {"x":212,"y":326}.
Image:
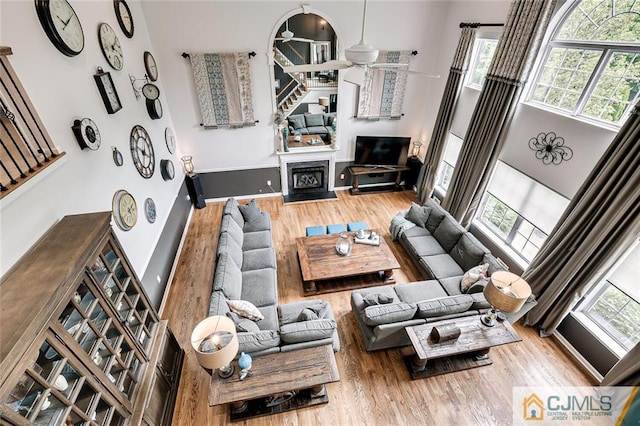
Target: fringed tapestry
{"x":382,"y":93}
{"x":223,"y":85}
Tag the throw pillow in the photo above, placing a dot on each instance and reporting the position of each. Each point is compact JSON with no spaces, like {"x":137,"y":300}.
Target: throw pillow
{"x":472,"y":276}
{"x":250,"y":211}
{"x":478,"y":286}
{"x":376,"y":299}
{"x":313,"y":312}
{"x":243,"y":324}
{"x":245,"y":309}
{"x":296,"y":121}
{"x":418,"y":214}
{"x":307,"y":315}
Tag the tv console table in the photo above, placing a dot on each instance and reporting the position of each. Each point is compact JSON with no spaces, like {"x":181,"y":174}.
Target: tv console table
{"x":357,"y":171}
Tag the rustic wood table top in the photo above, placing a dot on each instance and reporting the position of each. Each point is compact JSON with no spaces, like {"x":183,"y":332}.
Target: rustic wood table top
{"x":320,"y":261}
{"x":474,"y":336}
{"x":304,"y":141}
{"x":275,"y":373}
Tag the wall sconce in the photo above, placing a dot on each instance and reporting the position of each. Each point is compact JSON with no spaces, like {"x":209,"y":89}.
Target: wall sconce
{"x":187,"y":164}
{"x":416,"y":148}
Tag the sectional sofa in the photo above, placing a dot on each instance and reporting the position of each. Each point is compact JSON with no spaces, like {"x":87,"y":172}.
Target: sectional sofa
{"x":246,"y":271}
{"x":311,"y":124}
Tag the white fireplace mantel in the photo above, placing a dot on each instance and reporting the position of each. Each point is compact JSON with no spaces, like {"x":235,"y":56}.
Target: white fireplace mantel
{"x":301,"y":155}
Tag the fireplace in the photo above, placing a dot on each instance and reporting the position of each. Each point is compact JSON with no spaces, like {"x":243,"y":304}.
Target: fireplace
{"x":307,"y":174}
{"x":307,"y":177}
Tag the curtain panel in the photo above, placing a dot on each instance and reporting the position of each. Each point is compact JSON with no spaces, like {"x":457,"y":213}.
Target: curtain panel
{"x":382,"y":93}
{"x":440,"y":133}
{"x":223,"y":86}
{"x":516,"y":50}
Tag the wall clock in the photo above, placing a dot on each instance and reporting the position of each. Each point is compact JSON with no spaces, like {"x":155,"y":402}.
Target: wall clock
{"x":170,"y":140}
{"x":142,"y":151}
{"x":125,"y":210}
{"x":150,"y":91}
{"x":118,"y":160}
{"x":110,"y":46}
{"x":125,"y":19}
{"x":62,"y":26}
{"x":150,"y":66}
{"x":87,"y":134}
{"x":167,"y":169}
{"x":154,"y":108}
{"x":108,"y":91}
{"x":150,"y":210}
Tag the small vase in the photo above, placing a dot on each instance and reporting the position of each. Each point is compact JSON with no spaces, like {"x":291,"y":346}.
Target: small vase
{"x":344,"y":244}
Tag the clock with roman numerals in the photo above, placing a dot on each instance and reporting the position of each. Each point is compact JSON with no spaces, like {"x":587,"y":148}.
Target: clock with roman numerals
{"x":142,"y":151}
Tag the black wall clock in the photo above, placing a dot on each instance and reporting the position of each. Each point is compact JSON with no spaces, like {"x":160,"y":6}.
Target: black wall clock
{"x":142,"y":151}
{"x":87,"y":134}
{"x":108,"y":91}
{"x":167,"y":169}
{"x":62,"y":26}
{"x":125,"y":19}
{"x":150,"y":66}
{"x":154,"y":108}
{"x":170,"y":140}
{"x":110,"y":45}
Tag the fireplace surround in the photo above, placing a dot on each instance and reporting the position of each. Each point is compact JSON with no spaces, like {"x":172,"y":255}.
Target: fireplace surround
{"x":307,"y":175}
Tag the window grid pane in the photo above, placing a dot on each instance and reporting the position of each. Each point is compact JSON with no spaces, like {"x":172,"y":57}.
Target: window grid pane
{"x":484,"y":51}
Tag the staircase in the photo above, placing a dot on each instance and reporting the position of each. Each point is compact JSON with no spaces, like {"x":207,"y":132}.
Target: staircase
{"x":296,"y":90}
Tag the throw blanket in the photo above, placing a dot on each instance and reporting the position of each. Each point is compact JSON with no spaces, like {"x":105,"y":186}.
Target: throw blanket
{"x":223,"y":86}
{"x":382,"y":93}
{"x":399,"y":224}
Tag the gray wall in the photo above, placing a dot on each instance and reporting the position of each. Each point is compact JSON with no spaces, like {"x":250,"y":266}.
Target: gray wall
{"x":240,"y":182}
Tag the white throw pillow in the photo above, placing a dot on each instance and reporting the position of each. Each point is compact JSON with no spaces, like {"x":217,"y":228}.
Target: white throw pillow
{"x":472,"y":276}
{"x":245,"y":309}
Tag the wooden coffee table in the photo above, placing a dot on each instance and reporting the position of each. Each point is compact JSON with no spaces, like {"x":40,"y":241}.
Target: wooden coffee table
{"x":469,"y":350}
{"x":302,"y":372}
{"x":319,"y":261}
{"x":304,"y":141}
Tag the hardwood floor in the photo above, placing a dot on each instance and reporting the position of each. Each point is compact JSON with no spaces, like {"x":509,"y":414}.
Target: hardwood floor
{"x":375,"y":388}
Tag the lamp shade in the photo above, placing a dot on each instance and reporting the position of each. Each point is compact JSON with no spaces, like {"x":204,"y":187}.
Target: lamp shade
{"x":221,"y":334}
{"x":323,"y":100}
{"x":506,"y":291}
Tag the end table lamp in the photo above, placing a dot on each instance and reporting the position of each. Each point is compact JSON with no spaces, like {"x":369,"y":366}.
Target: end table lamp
{"x":216,"y":344}
{"x":506,"y":292}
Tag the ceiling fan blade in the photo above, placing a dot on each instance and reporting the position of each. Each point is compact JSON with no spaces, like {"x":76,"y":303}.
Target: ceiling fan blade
{"x":326,"y":66}
{"x":389,"y":65}
{"x":396,"y":69}
{"x":304,"y":40}
{"x":355,"y":75}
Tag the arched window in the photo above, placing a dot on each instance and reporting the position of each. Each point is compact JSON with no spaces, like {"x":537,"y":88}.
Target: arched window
{"x":591,"y":66}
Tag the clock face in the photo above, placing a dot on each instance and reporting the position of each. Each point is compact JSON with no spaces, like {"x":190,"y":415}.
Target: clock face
{"x":110,"y":46}
{"x":87,"y":133}
{"x":125,"y":210}
{"x":150,"y":91}
{"x":150,"y":66}
{"x":62,"y":26}
{"x":142,"y":151}
{"x":123,"y":14}
{"x":150,"y":210}
{"x":170,"y":139}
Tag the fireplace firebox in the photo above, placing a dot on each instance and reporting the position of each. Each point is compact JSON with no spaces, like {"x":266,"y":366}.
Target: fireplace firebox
{"x":307,"y":177}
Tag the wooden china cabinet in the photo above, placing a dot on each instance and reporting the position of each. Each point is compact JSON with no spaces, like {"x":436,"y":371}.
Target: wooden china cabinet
{"x":80,"y":343}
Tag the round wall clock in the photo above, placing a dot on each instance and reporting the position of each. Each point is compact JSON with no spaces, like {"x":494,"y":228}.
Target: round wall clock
{"x":125,"y":19}
{"x":87,"y":134}
{"x":170,"y":140}
{"x":167,"y":169}
{"x":150,"y":66}
{"x":150,"y":210}
{"x":110,"y":46}
{"x":62,"y":26}
{"x":125,"y":210}
{"x":142,"y":151}
{"x":154,"y":108}
{"x":150,"y":91}
{"x":118,"y":160}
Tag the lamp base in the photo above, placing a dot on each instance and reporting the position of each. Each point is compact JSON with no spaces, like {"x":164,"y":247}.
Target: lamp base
{"x":489,"y":319}
{"x":226,"y":371}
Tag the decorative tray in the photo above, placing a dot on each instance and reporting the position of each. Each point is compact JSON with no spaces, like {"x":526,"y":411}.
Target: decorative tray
{"x":372,"y":240}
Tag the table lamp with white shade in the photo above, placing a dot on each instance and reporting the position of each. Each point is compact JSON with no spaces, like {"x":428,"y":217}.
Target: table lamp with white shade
{"x":506,"y":292}
{"x":215,"y":342}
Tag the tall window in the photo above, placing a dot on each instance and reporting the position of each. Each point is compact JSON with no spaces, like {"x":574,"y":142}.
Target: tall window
{"x":591,"y":66}
{"x":483,"y":50}
{"x":445,"y":170}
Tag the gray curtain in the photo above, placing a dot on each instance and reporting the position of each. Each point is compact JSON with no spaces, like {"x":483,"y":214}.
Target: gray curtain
{"x":600,"y":223}
{"x":626,"y":372}
{"x":433,"y":157}
{"x":517,"y":48}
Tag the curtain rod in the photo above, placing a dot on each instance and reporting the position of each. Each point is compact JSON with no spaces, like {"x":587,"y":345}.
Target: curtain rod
{"x":251,"y":54}
{"x":478,"y":24}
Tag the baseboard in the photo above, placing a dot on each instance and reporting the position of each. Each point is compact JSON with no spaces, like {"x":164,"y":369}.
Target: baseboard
{"x":243,"y":197}
{"x":569,"y":349}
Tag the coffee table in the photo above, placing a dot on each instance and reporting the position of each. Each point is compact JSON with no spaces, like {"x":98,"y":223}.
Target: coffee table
{"x":301,"y":373}
{"x":319,"y":261}
{"x":304,"y":141}
{"x":469,"y":350}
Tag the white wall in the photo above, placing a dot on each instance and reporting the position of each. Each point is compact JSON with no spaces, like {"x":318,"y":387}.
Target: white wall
{"x":63,"y":89}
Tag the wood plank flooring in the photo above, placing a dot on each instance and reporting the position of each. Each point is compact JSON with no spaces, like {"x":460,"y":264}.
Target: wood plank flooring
{"x":375,"y":388}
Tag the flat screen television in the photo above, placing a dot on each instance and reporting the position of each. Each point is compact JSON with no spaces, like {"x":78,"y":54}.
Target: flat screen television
{"x":381,"y":150}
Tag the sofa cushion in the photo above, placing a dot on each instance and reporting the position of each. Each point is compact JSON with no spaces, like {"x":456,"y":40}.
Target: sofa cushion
{"x":419,"y":290}
{"x":357,"y":296}
{"x":242,"y":323}
{"x":258,"y":341}
{"x":494,"y":264}
{"x":228,"y":277}
{"x":230,"y":226}
{"x":259,"y":287}
{"x":329,"y":118}
{"x":436,"y":214}
{"x":418,"y":214}
{"x":305,"y":331}
{"x":250,"y":211}
{"x":314,"y":120}
{"x":444,"y":306}
{"x":424,"y":246}
{"x":478,"y":286}
{"x":448,"y":233}
{"x":230,"y":206}
{"x":472,"y":276}
{"x":296,"y":121}
{"x":258,"y":259}
{"x":386,"y":314}
{"x":468,"y":251}
{"x":415,"y":231}
{"x":291,"y":311}
{"x":318,"y":130}
{"x":226,"y":244}
{"x":245,"y":309}
{"x":440,"y":266}
{"x":256,"y":240}
{"x":377,"y":299}
{"x":270,"y":321}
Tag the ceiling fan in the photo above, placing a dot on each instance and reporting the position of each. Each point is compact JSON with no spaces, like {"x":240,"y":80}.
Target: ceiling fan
{"x":359,"y":57}
{"x":287,"y":36}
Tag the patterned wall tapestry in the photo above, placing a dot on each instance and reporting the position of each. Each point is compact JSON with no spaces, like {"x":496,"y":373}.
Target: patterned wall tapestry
{"x":223,"y":85}
{"x":382,"y":93}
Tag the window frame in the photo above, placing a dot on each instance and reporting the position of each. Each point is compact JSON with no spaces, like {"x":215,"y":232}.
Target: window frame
{"x":475,"y":55}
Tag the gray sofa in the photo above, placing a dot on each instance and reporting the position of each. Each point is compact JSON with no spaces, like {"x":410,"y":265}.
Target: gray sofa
{"x":311,"y":124}
{"x":246,"y":271}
